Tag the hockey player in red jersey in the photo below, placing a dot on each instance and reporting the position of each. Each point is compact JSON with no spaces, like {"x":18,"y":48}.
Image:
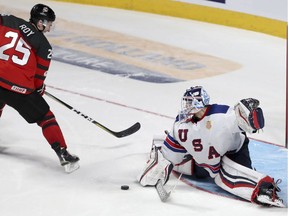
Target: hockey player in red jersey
{"x":25,"y":56}
{"x":209,"y":140}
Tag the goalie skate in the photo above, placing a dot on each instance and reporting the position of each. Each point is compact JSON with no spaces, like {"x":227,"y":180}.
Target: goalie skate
{"x":268,"y":195}
{"x":266,"y":200}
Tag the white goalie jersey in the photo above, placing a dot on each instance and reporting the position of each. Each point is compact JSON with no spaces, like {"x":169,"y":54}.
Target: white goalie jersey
{"x":207,"y":140}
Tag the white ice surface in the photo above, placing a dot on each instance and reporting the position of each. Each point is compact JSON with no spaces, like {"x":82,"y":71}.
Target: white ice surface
{"x":31,"y":179}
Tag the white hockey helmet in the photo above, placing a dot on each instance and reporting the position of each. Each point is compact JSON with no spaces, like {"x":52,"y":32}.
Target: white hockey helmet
{"x":193,"y":100}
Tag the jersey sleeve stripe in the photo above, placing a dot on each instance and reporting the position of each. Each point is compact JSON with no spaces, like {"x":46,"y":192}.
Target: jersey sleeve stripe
{"x":40,"y":77}
{"x":173,"y":145}
{"x":213,"y":168}
{"x":9,"y":85}
{"x":42,"y":67}
{"x":44,"y":63}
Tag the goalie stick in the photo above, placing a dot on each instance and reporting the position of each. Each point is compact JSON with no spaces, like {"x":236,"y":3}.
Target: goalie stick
{"x":134,"y":128}
{"x":162,"y":192}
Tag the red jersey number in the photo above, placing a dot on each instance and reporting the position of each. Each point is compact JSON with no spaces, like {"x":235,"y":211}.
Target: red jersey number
{"x":18,"y":44}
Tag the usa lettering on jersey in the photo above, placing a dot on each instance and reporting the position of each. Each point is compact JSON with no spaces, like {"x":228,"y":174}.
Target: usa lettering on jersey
{"x":197,"y":145}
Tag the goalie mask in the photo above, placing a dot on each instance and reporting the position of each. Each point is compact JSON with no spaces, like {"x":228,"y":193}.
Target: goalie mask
{"x":249,"y":115}
{"x":193,"y":100}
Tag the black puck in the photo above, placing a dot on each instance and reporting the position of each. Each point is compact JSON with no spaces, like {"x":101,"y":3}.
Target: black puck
{"x":124,"y":187}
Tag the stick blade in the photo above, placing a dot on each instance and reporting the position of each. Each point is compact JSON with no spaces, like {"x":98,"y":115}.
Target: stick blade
{"x":163,"y":194}
{"x":131,"y":130}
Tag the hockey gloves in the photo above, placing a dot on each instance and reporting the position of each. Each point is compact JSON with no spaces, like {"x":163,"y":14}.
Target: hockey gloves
{"x":249,"y":115}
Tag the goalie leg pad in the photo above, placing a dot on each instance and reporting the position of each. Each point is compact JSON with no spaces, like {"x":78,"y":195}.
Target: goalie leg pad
{"x":248,"y":184}
{"x":237,"y":179}
{"x":157,"y":167}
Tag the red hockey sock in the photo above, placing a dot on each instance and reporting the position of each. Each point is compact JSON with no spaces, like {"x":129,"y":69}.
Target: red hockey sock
{"x":51,"y":130}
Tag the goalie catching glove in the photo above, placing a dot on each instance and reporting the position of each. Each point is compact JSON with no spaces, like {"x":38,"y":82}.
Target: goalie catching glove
{"x":157,"y":168}
{"x":249,"y":115}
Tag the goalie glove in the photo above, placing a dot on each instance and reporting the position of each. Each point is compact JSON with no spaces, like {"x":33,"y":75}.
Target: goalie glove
{"x":157,"y":168}
{"x":249,"y":115}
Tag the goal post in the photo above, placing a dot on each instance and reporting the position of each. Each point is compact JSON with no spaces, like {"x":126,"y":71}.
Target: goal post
{"x":286,"y":124}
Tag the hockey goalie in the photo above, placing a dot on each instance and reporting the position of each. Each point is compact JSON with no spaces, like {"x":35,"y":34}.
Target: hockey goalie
{"x":210,"y":141}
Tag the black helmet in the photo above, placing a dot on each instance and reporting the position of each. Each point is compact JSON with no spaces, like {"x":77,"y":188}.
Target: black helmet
{"x":41,"y":12}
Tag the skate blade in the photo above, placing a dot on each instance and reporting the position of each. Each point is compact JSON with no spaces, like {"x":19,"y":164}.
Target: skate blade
{"x":71,"y":167}
{"x":265,"y":200}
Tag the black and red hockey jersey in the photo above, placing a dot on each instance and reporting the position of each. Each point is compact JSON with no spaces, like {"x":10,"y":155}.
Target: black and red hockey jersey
{"x":25,"y":55}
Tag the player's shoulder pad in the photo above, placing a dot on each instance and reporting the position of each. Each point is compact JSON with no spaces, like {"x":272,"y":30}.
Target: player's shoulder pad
{"x":217,"y":109}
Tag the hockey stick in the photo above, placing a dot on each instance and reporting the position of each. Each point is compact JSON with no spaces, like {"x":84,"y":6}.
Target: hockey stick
{"x":162,"y":192}
{"x":134,"y":128}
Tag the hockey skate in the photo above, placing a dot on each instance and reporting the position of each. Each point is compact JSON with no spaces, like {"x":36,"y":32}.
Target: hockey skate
{"x":67,"y":160}
{"x":267,"y":195}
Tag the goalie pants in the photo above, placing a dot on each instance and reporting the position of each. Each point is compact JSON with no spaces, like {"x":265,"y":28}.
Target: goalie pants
{"x":242,"y":156}
{"x":188,"y":166}
{"x":235,"y":176}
